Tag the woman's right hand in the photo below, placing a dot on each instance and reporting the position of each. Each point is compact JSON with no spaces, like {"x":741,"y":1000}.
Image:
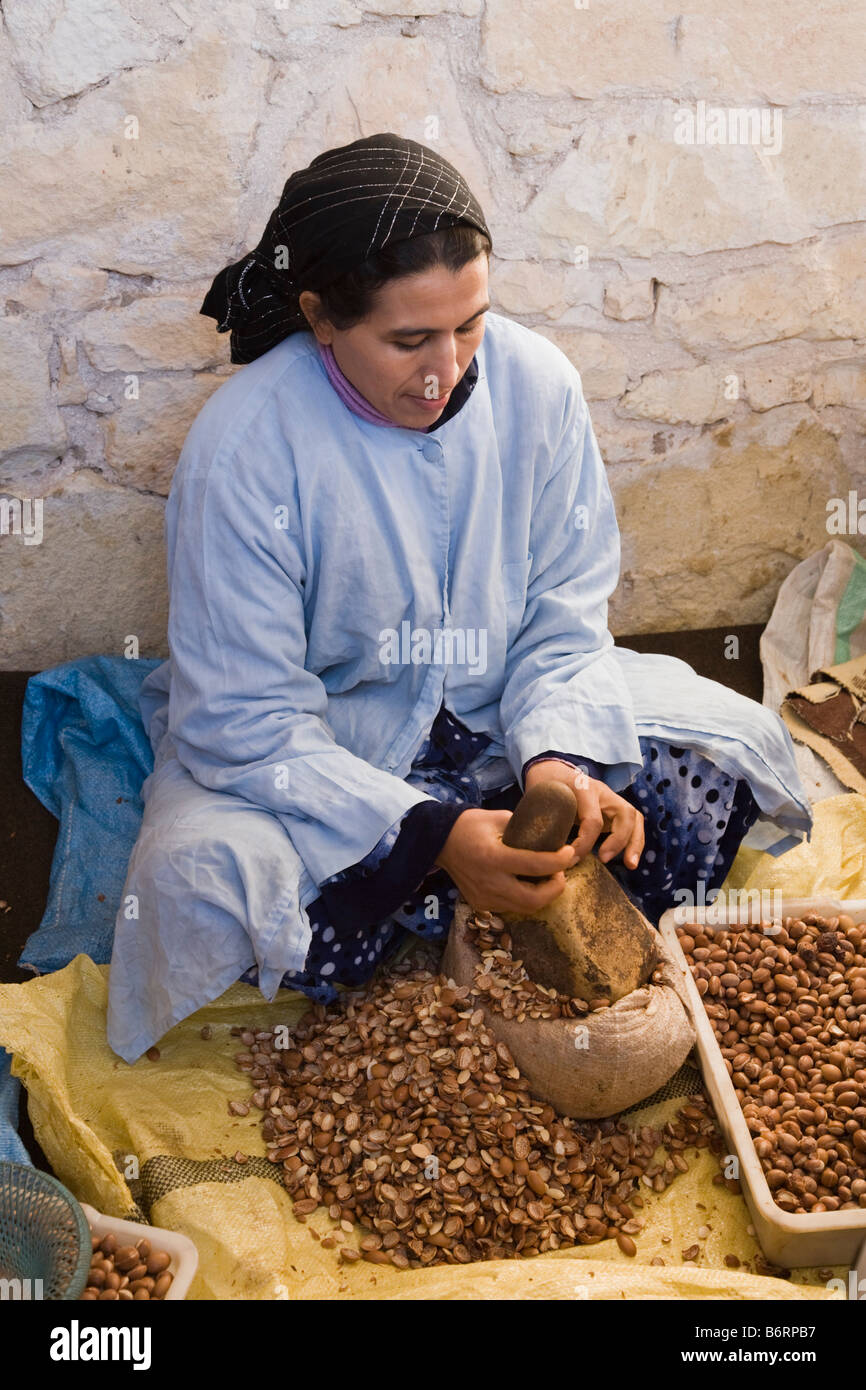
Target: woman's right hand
{"x":485,"y":870}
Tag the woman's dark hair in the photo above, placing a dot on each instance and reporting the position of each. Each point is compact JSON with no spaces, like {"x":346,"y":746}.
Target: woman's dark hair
{"x":349,"y":299}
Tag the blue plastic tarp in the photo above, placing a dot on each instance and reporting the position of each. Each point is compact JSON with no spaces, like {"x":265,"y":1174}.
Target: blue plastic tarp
{"x":86,"y":755}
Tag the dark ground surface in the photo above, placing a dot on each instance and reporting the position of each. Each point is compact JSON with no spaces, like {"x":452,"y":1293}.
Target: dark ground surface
{"x":28,"y":831}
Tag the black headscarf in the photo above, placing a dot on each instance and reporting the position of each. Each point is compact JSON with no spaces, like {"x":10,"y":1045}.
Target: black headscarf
{"x":348,"y":204}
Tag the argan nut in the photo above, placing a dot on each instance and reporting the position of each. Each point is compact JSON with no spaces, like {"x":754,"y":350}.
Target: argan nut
{"x":789,"y":1029}
{"x":511,"y":1176}
{"x":145,"y":1282}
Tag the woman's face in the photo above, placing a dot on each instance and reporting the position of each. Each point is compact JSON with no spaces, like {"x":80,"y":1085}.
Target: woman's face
{"x":408,"y":355}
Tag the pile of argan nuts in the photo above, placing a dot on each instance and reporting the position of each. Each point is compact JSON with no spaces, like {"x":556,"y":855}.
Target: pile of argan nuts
{"x":397,"y":1110}
{"x":788,"y":1007}
{"x":126,"y":1272}
{"x":504,"y":984}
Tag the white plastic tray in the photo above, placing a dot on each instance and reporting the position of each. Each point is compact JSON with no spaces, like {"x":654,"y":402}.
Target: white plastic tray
{"x":184,"y":1256}
{"x":787,"y":1240}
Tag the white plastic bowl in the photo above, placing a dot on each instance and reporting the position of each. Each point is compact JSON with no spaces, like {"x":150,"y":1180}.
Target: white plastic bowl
{"x":184,"y":1256}
{"x":788,"y":1240}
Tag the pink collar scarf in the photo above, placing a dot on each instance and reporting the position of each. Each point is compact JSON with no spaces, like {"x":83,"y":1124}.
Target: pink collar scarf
{"x":347,"y":392}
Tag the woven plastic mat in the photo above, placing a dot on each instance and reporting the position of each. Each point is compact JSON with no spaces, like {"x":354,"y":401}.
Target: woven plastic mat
{"x":156,"y":1140}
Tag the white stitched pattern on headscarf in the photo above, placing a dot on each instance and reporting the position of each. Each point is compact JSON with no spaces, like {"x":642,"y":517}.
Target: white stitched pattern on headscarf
{"x":385,"y":204}
{"x":418,"y":172}
{"x":332,"y":216}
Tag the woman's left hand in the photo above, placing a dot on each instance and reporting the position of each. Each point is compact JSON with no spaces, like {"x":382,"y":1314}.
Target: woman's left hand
{"x":598,"y":809}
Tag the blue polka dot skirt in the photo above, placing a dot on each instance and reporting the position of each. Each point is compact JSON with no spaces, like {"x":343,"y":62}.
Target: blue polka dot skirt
{"x":695,"y":817}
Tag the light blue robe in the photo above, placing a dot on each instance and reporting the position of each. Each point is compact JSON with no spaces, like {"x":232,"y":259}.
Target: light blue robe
{"x":311,"y":555}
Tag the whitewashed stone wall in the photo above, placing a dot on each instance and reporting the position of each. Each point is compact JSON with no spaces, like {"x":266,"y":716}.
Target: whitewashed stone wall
{"x":712,"y":292}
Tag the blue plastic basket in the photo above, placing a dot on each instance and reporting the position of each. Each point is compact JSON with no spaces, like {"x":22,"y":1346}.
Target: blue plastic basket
{"x":44,"y":1236}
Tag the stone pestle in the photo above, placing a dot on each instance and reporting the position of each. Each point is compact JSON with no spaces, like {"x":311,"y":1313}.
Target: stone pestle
{"x":591,"y":942}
